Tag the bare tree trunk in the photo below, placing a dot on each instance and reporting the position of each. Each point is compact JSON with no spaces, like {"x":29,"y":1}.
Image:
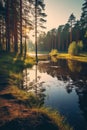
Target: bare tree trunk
{"x":8,"y":26}
{"x":77,"y":36}
{"x":25,"y":48}
{"x":0,"y":35}
{"x":58,"y":40}
{"x":36,"y":31}
{"x":15,"y":27}
{"x":21,"y":49}
{"x":71,"y":36}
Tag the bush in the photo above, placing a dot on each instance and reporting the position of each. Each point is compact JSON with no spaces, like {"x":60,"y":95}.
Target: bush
{"x":80,"y":46}
{"x":73,"y":48}
{"x":54,"y":52}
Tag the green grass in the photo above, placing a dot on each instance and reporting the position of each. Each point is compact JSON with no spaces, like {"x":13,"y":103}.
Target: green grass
{"x":12,"y":65}
{"x":81,"y":57}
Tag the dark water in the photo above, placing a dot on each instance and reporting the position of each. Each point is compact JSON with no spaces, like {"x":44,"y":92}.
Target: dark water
{"x":62,"y":86}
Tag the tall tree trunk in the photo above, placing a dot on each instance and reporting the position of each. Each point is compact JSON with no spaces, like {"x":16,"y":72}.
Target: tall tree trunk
{"x":21,"y":49}
{"x":25,"y":48}
{"x":58,"y":40}
{"x":77,"y":36}
{"x":15,"y":27}
{"x":15,"y":37}
{"x":67,"y":42}
{"x":71,"y":36}
{"x":36,"y":30}
{"x":8,"y":26}
{"x":3,"y":44}
{"x":0,"y":35}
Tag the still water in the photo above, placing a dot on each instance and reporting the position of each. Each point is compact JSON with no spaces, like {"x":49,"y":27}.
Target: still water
{"x":61,"y":85}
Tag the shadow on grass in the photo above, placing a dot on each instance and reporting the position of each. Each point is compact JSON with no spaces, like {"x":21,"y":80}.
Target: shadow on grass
{"x":10,"y":66}
{"x":38,"y":122}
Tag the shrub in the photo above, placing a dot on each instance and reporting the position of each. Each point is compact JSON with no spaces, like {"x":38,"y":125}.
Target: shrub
{"x":54,"y":52}
{"x":73,"y":48}
{"x":80,"y":46}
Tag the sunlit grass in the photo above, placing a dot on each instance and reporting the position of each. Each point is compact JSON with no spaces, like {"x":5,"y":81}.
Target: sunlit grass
{"x":55,"y":116}
{"x":29,"y":61}
{"x":12,"y":66}
{"x":16,"y":61}
{"x":17,"y":93}
{"x":81,"y":57}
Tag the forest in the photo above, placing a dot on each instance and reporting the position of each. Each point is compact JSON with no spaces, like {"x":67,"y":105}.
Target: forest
{"x":18,"y":18}
{"x":60,"y":38}
{"x":46,"y":91}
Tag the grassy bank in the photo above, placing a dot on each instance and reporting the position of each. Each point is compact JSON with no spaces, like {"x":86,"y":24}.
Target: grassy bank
{"x":82,"y":57}
{"x":17,"y":106}
{"x":12,"y":65}
{"x":45,"y":56}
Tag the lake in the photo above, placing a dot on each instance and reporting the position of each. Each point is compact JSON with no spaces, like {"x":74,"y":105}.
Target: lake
{"x":61,"y":85}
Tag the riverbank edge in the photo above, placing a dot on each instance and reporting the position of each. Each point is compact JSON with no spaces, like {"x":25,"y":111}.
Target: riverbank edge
{"x":11,"y":68}
{"x":82,"y":57}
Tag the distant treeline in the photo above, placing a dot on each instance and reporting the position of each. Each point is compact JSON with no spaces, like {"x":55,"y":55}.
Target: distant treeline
{"x":73,"y":30}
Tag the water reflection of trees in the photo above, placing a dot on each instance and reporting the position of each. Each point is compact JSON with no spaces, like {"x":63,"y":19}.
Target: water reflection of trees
{"x":62,"y":70}
{"x":54,"y":59}
{"x":34,"y":86}
{"x":74,"y":74}
{"x":55,"y":69}
{"x":81,"y":89}
{"x":74,"y":66}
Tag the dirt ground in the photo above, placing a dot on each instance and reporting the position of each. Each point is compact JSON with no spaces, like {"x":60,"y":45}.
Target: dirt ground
{"x":14,"y":115}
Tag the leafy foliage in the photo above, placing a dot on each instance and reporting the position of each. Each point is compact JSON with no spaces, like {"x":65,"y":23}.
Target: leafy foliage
{"x":84,"y":15}
{"x":73,"y":48}
{"x":54,"y":52}
{"x":80,"y":46}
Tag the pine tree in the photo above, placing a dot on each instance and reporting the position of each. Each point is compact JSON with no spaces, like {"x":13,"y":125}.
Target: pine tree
{"x":83,"y":21}
{"x":71,"y":22}
{"x":84,"y":15}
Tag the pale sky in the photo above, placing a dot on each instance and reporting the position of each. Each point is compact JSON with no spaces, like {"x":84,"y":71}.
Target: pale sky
{"x":58,"y":11}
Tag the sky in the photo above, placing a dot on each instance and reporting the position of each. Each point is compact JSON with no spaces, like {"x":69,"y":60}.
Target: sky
{"x":58,"y":11}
